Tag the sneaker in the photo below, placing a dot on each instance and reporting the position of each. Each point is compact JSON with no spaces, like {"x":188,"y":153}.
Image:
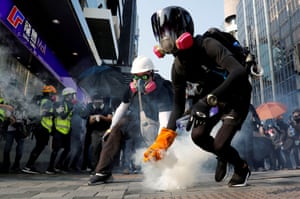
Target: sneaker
{"x":221,"y":170}
{"x":50,"y":172}
{"x":99,"y":178}
{"x":239,"y":178}
{"x":30,"y":170}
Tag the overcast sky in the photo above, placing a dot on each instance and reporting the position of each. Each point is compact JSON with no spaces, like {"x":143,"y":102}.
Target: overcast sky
{"x":205,"y":14}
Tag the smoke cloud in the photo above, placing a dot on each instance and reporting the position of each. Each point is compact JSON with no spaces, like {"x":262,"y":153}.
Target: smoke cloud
{"x":180,"y":168}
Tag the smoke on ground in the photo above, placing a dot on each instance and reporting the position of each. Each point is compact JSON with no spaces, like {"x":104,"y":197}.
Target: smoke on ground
{"x":179,"y":169}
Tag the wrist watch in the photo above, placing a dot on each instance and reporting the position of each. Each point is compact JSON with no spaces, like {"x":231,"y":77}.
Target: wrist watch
{"x":211,"y":100}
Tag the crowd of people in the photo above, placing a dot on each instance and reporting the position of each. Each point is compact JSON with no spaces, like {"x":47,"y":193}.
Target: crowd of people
{"x":75,"y":131}
{"x":272,"y":144}
{"x":150,"y":108}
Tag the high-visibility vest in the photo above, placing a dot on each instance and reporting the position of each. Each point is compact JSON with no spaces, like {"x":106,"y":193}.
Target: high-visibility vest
{"x":2,"y":111}
{"x":46,"y":121}
{"x":63,"y":125}
{"x":2,"y":114}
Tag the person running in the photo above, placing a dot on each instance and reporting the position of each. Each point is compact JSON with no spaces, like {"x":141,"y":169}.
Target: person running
{"x":43,"y":129}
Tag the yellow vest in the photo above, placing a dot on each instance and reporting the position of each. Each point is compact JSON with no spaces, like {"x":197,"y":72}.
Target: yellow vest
{"x":46,"y":121}
{"x":63,"y":125}
{"x":2,"y":111}
{"x":2,"y":114}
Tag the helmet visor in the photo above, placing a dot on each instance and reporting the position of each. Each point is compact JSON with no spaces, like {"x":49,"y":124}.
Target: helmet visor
{"x":169,"y":22}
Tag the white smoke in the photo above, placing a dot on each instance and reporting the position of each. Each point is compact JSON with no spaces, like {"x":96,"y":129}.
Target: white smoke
{"x":180,"y":168}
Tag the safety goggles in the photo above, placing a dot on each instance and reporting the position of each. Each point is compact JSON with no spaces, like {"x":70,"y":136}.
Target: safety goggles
{"x":143,"y":77}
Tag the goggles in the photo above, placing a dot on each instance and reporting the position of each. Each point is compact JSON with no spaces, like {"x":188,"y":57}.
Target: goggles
{"x":143,"y":77}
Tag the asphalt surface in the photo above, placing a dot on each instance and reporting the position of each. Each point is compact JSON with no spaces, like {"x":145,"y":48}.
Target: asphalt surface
{"x":269,"y":184}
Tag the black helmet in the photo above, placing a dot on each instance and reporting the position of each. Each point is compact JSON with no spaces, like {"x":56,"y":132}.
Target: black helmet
{"x":169,"y":23}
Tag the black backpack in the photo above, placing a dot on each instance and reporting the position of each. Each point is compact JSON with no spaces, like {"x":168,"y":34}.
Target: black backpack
{"x":242,"y":54}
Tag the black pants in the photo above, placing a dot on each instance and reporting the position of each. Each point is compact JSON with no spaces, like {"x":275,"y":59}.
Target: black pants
{"x":10,"y":138}
{"x":126,"y":127}
{"x":220,"y":145}
{"x":41,"y":135}
{"x":60,"y":141}
{"x":86,"y":160}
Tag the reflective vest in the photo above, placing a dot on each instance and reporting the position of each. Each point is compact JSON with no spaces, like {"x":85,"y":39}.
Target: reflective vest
{"x":2,"y":114}
{"x":63,"y":125}
{"x":2,"y":111}
{"x":46,"y":121}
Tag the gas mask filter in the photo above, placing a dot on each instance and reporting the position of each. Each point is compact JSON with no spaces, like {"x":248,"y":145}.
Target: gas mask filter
{"x":167,"y":45}
{"x":142,"y":86}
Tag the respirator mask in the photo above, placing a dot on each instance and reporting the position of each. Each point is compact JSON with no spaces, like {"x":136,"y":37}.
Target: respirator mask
{"x":98,"y":104}
{"x":142,"y":84}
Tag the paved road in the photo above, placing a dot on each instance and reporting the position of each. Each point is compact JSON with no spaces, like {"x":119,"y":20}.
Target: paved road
{"x":271,"y":184}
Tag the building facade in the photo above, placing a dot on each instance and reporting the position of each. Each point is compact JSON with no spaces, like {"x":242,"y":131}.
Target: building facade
{"x":271,"y":29}
{"x":54,"y":42}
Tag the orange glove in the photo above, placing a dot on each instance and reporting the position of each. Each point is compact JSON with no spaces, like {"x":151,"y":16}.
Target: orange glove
{"x":161,"y":144}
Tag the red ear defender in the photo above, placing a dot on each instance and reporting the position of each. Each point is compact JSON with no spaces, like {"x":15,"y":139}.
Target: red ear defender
{"x":151,"y":86}
{"x":185,"y":41}
{"x":158,"y":51}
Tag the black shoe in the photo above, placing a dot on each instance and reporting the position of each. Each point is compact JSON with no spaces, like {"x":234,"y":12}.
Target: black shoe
{"x":99,"y":178}
{"x":221,"y":170}
{"x":240,"y":177}
{"x":30,"y":170}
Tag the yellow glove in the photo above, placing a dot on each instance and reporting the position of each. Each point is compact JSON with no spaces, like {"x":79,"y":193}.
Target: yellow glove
{"x":161,"y":144}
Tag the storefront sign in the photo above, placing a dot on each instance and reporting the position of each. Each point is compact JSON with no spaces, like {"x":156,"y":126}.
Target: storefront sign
{"x":17,"y":23}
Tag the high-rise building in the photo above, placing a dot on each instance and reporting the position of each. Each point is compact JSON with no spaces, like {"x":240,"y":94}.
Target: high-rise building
{"x":271,"y":30}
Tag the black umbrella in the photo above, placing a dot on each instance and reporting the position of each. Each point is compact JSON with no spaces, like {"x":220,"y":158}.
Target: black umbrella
{"x":104,"y":80}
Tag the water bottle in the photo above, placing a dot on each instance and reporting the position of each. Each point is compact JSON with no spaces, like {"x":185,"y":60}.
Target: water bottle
{"x":181,"y":124}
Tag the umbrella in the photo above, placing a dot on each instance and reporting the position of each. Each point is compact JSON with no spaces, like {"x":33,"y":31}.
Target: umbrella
{"x":270,"y":110}
{"x":104,"y":80}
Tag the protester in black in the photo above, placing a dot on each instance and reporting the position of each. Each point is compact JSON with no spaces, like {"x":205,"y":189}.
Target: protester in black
{"x":224,"y":83}
{"x":98,"y":121}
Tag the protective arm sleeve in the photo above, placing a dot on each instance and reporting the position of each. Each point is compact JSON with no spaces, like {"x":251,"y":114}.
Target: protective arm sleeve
{"x":163,"y":119}
{"x":163,"y":141}
{"x":119,"y":113}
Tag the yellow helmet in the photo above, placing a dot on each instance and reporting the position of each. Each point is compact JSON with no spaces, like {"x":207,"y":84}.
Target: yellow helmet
{"x":49,"y":89}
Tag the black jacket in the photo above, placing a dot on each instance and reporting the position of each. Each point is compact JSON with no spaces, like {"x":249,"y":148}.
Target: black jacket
{"x":203,"y":63}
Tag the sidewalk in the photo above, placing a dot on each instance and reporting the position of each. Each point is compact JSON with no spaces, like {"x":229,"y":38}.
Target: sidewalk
{"x":271,"y":184}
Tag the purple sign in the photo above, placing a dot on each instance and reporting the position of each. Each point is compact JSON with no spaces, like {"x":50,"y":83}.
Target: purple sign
{"x":16,"y":22}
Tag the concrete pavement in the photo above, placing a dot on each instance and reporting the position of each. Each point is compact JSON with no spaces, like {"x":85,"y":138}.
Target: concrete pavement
{"x":270,"y":184}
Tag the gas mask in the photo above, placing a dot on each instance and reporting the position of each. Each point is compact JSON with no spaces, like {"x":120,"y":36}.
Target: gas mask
{"x":53,"y":98}
{"x":167,"y":44}
{"x":296,"y":118}
{"x":98,"y":104}
{"x":142,"y":86}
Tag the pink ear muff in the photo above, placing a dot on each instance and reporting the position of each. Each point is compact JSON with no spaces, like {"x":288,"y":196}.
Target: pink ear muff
{"x":184,"y":41}
{"x":158,"y":51}
{"x":151,"y":86}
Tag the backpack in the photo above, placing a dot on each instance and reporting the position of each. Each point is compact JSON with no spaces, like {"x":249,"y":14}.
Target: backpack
{"x":242,"y":54}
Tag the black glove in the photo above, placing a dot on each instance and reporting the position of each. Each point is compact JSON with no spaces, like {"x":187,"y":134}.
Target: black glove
{"x":199,"y":114}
